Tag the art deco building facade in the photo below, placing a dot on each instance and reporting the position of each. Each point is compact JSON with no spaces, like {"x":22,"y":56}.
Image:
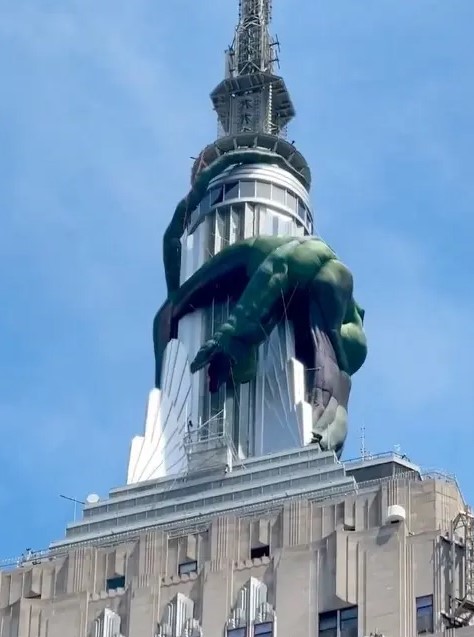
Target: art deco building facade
{"x":231,"y":524}
{"x":289,"y":544}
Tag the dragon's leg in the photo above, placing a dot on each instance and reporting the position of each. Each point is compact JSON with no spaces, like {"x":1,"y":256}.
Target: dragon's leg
{"x":331,"y":290}
{"x":194,"y":294}
{"x":331,"y":293}
{"x":232,"y":349}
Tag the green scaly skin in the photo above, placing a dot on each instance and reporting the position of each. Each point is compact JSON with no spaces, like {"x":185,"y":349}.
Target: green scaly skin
{"x":273,"y":267}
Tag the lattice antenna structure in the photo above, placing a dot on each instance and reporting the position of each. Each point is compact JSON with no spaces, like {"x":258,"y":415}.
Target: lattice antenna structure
{"x":253,"y":44}
{"x":252,"y":99}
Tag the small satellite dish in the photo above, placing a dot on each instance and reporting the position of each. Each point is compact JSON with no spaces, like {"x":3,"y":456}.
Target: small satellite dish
{"x":92,"y":498}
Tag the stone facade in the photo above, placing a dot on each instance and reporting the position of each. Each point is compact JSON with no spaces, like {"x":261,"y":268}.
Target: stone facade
{"x":277,"y":572}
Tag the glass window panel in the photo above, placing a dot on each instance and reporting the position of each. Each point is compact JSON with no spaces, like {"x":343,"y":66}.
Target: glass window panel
{"x":238,"y":213}
{"x":275,"y":222}
{"x":328,"y":621}
{"x":221,"y":228}
{"x":256,"y":219}
{"x":231,"y":190}
{"x":291,"y":201}
{"x":424,"y":624}
{"x":264,"y":190}
{"x":212,"y":235}
{"x":279,"y":194}
{"x":234,"y":227}
{"x":204,"y":205}
{"x":115,"y":582}
{"x":227,"y":225}
{"x":187,"y":567}
{"x":299,"y":231}
{"x":423,"y":602}
{"x":217,"y":195}
{"x":247,"y":188}
{"x":424,"y":615}
{"x":237,"y":632}
{"x":301,"y":210}
{"x":348,"y":622}
{"x":349,"y":630}
{"x":259,"y":551}
{"x":349,"y":613}
{"x":265,"y":629}
{"x":249,"y":220}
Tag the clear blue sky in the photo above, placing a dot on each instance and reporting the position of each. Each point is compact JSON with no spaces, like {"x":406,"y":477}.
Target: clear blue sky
{"x":103,"y":103}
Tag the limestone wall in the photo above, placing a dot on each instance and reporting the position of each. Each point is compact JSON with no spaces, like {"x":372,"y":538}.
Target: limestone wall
{"x":322,"y":557}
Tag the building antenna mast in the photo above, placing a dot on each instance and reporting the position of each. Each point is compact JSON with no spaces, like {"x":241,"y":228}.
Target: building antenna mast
{"x":363,"y":449}
{"x":76,"y":502}
{"x":252,"y":98}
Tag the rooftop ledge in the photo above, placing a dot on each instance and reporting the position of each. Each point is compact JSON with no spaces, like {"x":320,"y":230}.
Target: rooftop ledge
{"x":316,"y":476}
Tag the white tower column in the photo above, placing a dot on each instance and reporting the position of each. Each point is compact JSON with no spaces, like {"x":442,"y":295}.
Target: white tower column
{"x":253,"y":107}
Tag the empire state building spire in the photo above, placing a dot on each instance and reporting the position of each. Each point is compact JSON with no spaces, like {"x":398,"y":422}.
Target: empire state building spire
{"x":252,"y":98}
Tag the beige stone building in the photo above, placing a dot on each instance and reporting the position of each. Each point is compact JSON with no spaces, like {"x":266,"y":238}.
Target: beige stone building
{"x":316,"y":549}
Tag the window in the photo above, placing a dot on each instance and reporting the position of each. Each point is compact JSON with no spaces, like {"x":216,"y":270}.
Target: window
{"x":259,"y":552}
{"x":249,"y":220}
{"x":339,"y":623}
{"x":348,"y":622}
{"x":291,"y":201}
{"x":236,"y":223}
{"x":217,"y":195}
{"x":247,"y":189}
{"x":231,"y":190}
{"x":301,"y":210}
{"x":328,"y":624}
{"x":222,"y":216}
{"x":263,"y":630}
{"x":279,"y":195}
{"x":237,"y":632}
{"x":115,"y":582}
{"x":424,"y":615}
{"x":185,"y":568}
{"x":264,"y":190}
{"x":211,"y":246}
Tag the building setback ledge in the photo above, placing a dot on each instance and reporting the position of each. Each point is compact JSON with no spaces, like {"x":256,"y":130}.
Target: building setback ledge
{"x":259,"y":484}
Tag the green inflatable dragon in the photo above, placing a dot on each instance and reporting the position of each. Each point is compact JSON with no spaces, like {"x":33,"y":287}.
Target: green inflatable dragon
{"x":268,"y":279}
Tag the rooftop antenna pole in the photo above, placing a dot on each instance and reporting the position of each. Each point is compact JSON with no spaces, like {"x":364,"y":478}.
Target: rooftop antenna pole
{"x":76,"y":502}
{"x":253,"y":42}
{"x":363,"y":450}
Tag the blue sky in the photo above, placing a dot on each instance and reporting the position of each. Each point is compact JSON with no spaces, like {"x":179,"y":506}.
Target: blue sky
{"x":103,"y":103}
